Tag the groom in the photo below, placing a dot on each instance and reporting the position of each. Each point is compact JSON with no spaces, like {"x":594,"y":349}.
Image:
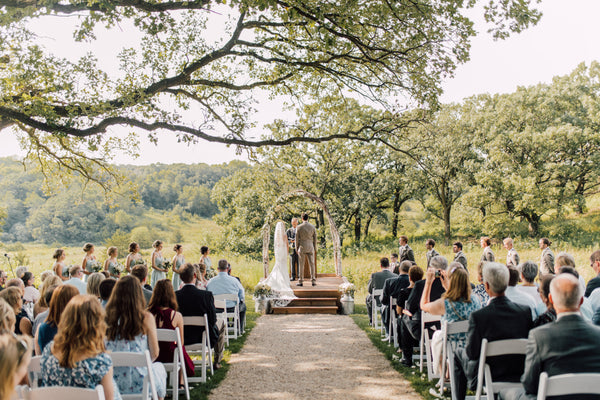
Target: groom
{"x":306,"y":243}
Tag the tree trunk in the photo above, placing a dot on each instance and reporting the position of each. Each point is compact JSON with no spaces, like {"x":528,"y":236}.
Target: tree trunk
{"x":367,"y":224}
{"x":534,"y":224}
{"x":321,"y":222}
{"x":447,"y":232}
{"x":395,"y":213}
{"x":357,"y":226}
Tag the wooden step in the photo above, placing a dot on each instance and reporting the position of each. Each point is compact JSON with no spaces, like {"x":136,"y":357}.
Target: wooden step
{"x":305,"y":310}
{"x":314,"y":301}
{"x":305,"y":292}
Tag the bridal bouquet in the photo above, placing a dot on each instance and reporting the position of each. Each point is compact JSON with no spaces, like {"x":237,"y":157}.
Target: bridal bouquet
{"x":94,"y":265}
{"x":262,"y":289}
{"x":347,"y":288}
{"x":166,"y":265}
{"x":119,"y":268}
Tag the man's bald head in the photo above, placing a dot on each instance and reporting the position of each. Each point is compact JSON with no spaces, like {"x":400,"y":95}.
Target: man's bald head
{"x":565,"y":293}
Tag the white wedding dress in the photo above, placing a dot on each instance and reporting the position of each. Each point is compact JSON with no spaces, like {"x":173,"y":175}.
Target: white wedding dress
{"x":279,"y":278}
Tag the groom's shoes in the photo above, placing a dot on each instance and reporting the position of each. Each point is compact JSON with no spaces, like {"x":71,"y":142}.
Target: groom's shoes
{"x":299,"y":284}
{"x":314,"y":283}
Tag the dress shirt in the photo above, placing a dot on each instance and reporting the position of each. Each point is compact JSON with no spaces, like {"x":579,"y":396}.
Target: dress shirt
{"x":226,"y":284}
{"x":78,"y":283}
{"x":519,"y":297}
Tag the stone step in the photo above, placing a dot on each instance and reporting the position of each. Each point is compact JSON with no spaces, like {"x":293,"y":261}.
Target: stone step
{"x":305,"y":310}
{"x":314,"y":301}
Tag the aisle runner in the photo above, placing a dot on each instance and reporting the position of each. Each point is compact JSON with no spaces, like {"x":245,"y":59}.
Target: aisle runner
{"x":310,"y":357}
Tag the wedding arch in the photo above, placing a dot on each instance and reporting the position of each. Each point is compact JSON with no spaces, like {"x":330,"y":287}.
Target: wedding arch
{"x":335,"y":236}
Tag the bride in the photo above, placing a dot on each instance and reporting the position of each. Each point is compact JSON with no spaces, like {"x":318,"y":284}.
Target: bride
{"x":279,"y":278}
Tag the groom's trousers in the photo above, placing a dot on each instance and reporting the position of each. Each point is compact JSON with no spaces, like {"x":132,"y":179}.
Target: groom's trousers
{"x":311,"y":263}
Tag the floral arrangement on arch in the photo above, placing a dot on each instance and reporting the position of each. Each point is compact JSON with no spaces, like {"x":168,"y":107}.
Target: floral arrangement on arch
{"x":262,"y":289}
{"x":347,"y":288}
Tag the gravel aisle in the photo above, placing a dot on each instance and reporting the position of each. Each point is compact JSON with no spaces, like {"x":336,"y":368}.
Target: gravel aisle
{"x":310,"y":357}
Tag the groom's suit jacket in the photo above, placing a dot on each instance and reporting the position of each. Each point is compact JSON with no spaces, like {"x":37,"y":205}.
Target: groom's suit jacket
{"x":306,"y":238}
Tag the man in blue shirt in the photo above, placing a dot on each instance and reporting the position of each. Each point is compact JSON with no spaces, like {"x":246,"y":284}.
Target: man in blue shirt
{"x":223,"y":283}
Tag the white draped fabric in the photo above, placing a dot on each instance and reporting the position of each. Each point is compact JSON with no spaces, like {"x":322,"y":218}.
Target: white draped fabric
{"x":279,"y":278}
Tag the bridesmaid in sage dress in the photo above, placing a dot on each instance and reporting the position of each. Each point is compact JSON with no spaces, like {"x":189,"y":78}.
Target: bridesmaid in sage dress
{"x":88,"y":261}
{"x":205,"y":259}
{"x":134,"y":257}
{"x":178,"y":261}
{"x":158,"y":272}
{"x":60,"y":269}
{"x":111,"y":264}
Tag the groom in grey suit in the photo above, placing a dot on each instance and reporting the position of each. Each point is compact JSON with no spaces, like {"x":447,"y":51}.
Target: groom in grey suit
{"x":306,"y":243}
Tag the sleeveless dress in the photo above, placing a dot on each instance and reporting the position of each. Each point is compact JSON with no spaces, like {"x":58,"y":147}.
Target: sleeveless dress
{"x":460,"y":311}
{"x":131,"y":380}
{"x":87,"y":373}
{"x":176,"y":279}
{"x":167,"y":349}
{"x":88,"y":267}
{"x":157,"y":275}
{"x":112,"y":268}
{"x":19,"y":317}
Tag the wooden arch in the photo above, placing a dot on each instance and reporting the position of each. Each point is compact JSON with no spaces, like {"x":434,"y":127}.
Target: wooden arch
{"x":335,"y":236}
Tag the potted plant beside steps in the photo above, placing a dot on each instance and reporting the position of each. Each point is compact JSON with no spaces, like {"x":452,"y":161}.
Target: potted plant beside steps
{"x":261,"y":300}
{"x":347,"y":300}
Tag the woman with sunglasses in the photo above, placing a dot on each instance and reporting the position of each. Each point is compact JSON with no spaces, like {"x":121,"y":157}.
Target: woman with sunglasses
{"x":15,"y":354}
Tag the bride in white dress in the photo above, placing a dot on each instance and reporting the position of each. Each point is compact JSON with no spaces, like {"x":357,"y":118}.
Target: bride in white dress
{"x":279,"y":278}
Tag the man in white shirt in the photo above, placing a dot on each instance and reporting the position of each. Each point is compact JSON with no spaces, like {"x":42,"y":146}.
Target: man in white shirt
{"x":517,"y":296}
{"x":76,"y":274}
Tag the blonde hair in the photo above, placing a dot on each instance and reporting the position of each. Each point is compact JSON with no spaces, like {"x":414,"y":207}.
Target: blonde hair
{"x":47,"y":283}
{"x":7,"y":316}
{"x":80,"y":331}
{"x":111,"y":250}
{"x":12,"y":295}
{"x":44,"y":275}
{"x":14,"y":351}
{"x":93,"y":283}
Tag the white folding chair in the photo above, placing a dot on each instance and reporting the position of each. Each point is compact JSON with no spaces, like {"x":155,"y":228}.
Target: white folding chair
{"x":34,"y":371}
{"x":375,"y":309}
{"x":202,"y":348}
{"x":222,"y":304}
{"x":565,"y":384}
{"x":450,"y":328}
{"x":392,"y":325}
{"x":136,"y":360}
{"x":425,"y":345}
{"x":19,"y":393}
{"x":173,"y":336}
{"x":64,"y":393}
{"x":492,"y":349}
{"x":236,"y":327}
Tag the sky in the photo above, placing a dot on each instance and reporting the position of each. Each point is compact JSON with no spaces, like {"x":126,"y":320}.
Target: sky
{"x":566,"y":36}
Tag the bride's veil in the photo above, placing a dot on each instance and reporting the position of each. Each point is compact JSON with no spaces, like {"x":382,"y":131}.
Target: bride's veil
{"x":279,"y":279}
{"x":280,"y":243}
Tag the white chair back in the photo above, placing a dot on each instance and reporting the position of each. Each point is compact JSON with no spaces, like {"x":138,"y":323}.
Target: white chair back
{"x":222,"y":304}
{"x":375,"y":309}
{"x":64,"y":393}
{"x":450,"y":328}
{"x":568,"y":384}
{"x":34,"y":371}
{"x":201,"y":348}
{"x":424,"y":349}
{"x":392,"y":314}
{"x":492,"y":349}
{"x":236,"y":324}
{"x":136,"y":360}
{"x":174,"y":336}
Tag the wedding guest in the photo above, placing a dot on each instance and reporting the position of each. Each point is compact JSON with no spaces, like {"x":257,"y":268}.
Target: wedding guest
{"x":517,"y":296}
{"x":93,"y":284}
{"x":23,"y":324}
{"x":547,"y":258}
{"x":111,"y":264}
{"x":134,"y":257}
{"x":586,"y":309}
{"x":376,"y":282}
{"x":158,"y":271}
{"x":225,"y":284}
{"x":479,"y":290}
{"x":431,"y":252}
{"x":394,"y":264}
{"x":7,"y":317}
{"x":132,"y":328}
{"x":488,"y":254}
{"x":163,"y":305}
{"x":18,"y":283}
{"x":549,"y":315}
{"x":59,"y":267}
{"x":140,"y":271}
{"x":564,"y":259}
{"x":391,"y":289}
{"x":41,"y":305}
{"x":89,"y":261}
{"x":20,"y":271}
{"x":76,"y":273}
{"x":30,"y":294}
{"x":594,"y":282}
{"x":44,"y":275}
{"x":105,"y":289}
{"x":459,"y":256}
{"x":47,"y":330}
{"x":3,"y":278}
{"x":15,"y":355}
{"x":41,"y":317}
{"x":201,"y":280}
{"x":512,"y":257}
{"x":404,"y":251}
{"x":529,"y":271}
{"x":77,"y":356}
{"x":177,"y":262}
{"x":205,"y":259}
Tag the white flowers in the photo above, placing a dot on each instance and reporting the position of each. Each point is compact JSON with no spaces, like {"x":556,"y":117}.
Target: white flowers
{"x":262,"y":289}
{"x":347,"y":288}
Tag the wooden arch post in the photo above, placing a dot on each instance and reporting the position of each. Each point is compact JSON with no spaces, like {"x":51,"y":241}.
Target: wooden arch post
{"x":333,"y":231}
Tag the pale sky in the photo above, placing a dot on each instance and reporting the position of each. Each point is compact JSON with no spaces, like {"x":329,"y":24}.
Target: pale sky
{"x":566,"y":36}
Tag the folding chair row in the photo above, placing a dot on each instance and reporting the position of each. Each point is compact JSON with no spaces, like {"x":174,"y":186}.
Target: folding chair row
{"x":236,"y":326}
{"x":177,"y":366}
{"x":202,"y":348}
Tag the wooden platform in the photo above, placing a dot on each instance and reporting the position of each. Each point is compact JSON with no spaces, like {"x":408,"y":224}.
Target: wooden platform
{"x":321,"y":299}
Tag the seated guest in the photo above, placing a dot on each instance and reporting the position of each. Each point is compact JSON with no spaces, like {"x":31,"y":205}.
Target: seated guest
{"x":7,"y":317}
{"x":77,"y":356}
{"x":18,"y":283}
{"x":549,"y":315}
{"x":501,"y":319}
{"x":225,"y":284}
{"x":23,"y":325}
{"x":76,"y":274}
{"x":42,"y":305}
{"x":15,"y":354}
{"x":140,"y":271}
{"x":3,"y":278}
{"x":163,"y":305}
{"x":201,"y":280}
{"x":47,"y":330}
{"x":479,"y":290}
{"x":30,"y":294}
{"x":411,"y":320}
{"x":564,"y":259}
{"x":41,"y":317}
{"x":586,"y":308}
{"x":131,"y":328}
{"x":594,"y":282}
{"x":456,"y":304}
{"x":196,"y":302}
{"x":529,"y":271}
{"x":394,"y":264}
{"x":391,"y":289}
{"x":93,"y":284}
{"x":517,"y":296}
{"x":569,"y":345}
{"x":376,"y":282}
{"x":229,"y":272}
{"x":106,"y":287}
